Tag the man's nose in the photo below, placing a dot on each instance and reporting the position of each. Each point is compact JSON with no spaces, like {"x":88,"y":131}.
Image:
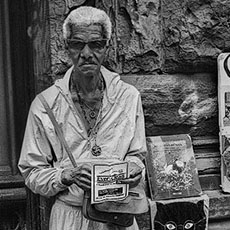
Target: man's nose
{"x":86,"y":52}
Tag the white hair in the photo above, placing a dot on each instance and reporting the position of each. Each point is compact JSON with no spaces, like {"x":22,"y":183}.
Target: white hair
{"x":87,"y":15}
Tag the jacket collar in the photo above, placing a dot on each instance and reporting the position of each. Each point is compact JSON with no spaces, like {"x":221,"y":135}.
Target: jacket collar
{"x":111,"y":82}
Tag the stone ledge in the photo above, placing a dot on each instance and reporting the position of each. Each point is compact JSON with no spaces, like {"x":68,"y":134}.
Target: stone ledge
{"x":178,"y":103}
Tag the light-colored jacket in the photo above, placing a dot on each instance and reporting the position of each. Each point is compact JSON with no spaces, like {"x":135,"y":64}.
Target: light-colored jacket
{"x":121,"y":135}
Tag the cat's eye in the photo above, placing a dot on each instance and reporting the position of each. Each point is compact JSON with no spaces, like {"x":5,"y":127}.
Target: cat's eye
{"x":170,"y":226}
{"x":188,"y":225}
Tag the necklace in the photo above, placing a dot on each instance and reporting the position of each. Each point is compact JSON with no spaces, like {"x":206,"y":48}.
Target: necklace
{"x":93,"y":127}
{"x":91,"y":115}
{"x":92,"y":110}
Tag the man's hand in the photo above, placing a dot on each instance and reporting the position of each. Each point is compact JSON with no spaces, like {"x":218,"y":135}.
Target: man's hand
{"x":135,"y":175}
{"x":81,"y":176}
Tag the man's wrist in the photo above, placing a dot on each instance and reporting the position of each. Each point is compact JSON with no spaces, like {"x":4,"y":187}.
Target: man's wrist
{"x":66,"y":177}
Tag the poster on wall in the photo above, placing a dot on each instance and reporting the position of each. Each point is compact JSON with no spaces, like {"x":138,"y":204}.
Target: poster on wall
{"x":171,"y":167}
{"x":224,"y":118}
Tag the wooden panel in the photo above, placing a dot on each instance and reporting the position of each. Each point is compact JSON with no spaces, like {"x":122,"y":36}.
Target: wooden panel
{"x":12,"y":194}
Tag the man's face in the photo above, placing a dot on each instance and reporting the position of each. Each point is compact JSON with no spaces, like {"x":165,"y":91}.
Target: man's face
{"x":87,"y":49}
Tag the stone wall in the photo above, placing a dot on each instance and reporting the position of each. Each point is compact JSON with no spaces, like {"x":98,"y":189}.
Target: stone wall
{"x":168,"y":50}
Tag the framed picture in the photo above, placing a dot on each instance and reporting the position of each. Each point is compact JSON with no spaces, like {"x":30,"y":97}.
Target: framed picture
{"x":171,"y":167}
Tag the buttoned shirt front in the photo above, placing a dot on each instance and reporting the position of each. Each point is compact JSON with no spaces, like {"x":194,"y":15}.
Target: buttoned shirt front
{"x":120,"y":134}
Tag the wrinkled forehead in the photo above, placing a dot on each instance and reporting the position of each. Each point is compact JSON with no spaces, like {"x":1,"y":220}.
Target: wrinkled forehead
{"x":93,"y":31}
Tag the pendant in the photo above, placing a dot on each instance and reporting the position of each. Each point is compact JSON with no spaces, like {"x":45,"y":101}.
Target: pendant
{"x":92,"y":114}
{"x":96,"y":150}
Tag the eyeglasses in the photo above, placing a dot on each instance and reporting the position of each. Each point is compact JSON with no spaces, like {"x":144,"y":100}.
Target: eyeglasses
{"x":94,"y":45}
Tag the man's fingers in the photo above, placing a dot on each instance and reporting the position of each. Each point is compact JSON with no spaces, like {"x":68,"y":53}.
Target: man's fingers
{"x":82,"y":176}
{"x":82,"y":171}
{"x":82,"y":185}
{"x":134,"y":173}
{"x":134,"y":169}
{"x":132,"y":181}
{"x":84,"y":180}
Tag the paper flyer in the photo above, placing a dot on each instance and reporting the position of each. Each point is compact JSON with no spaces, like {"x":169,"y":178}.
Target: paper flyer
{"x":105,"y":182}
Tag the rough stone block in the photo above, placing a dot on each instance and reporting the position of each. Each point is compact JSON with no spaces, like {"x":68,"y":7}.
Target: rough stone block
{"x":194,"y":33}
{"x":153,"y":36}
{"x":178,"y":103}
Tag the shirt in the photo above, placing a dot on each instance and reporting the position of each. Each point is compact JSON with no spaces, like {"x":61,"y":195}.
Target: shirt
{"x":121,"y":134}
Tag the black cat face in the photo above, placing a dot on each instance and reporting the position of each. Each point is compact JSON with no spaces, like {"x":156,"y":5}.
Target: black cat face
{"x":188,"y":225}
{"x":180,"y":216}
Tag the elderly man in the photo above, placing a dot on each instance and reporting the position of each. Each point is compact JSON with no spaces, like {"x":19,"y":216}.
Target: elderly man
{"x":100,"y":117}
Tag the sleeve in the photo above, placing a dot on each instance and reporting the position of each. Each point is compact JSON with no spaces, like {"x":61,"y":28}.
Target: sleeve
{"x":35,"y":163}
{"x":137,"y":149}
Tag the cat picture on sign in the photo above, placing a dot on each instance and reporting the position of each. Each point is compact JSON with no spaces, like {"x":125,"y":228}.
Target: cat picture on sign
{"x":180,"y":215}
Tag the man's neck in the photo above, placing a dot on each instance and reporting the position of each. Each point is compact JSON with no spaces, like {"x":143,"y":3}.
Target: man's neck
{"x":86,"y":84}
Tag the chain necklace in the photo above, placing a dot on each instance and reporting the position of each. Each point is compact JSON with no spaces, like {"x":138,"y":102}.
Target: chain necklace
{"x":92,"y":110}
{"x":91,"y":116}
{"x":93,"y":130}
